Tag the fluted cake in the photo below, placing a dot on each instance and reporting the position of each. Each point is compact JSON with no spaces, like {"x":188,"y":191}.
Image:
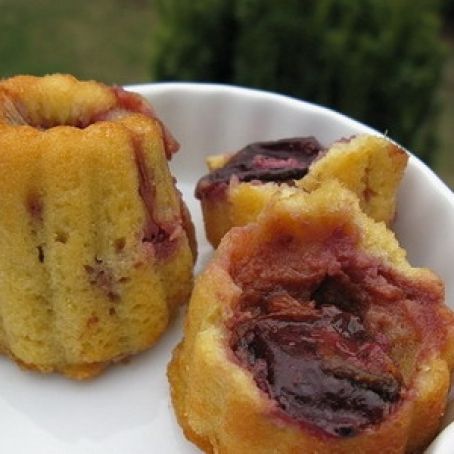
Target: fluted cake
{"x":95,"y":240}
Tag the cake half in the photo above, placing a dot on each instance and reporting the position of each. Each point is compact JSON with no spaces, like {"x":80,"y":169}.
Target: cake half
{"x":95,"y":240}
{"x":239,"y":185}
{"x":310,"y":332}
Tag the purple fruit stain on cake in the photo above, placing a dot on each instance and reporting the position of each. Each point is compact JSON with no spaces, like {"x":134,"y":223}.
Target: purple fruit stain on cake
{"x":127,"y":103}
{"x":34,"y":206}
{"x":277,"y":161}
{"x":100,"y":276}
{"x":163,"y":236}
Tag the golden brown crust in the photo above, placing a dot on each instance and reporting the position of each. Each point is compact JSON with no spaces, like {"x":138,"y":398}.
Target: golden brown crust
{"x":217,"y":401}
{"x":372,"y":167}
{"x":95,"y":235}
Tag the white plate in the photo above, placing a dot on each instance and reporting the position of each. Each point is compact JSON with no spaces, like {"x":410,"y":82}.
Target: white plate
{"x":127,"y":409}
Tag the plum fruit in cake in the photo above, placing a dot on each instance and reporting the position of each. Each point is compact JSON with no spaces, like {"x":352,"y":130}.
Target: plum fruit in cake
{"x":238,"y":186}
{"x":94,"y":235}
{"x":310,"y":332}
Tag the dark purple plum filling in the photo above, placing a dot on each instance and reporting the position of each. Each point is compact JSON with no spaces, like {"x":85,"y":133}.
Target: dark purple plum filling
{"x":278,"y":161}
{"x":319,"y":363}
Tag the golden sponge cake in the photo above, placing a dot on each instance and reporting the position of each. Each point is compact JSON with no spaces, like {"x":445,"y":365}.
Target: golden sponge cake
{"x":239,"y":186}
{"x":94,"y":235}
{"x":310,"y":332}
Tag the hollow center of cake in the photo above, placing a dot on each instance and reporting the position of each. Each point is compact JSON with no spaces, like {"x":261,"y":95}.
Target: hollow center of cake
{"x":304,"y":336}
{"x":76,"y":112}
{"x":278,"y":161}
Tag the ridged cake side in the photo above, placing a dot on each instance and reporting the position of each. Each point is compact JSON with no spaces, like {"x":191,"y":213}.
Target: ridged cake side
{"x":88,"y":274}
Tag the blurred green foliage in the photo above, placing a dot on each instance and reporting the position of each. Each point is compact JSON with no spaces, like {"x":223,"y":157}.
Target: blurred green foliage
{"x":377,"y":61}
{"x":444,"y":163}
{"x":448,"y":11}
{"x":108,"y":40}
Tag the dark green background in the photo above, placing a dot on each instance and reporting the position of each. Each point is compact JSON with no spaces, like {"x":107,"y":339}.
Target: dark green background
{"x":111,"y":40}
